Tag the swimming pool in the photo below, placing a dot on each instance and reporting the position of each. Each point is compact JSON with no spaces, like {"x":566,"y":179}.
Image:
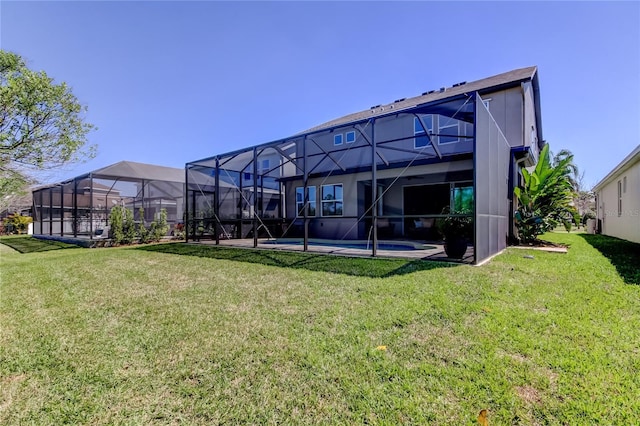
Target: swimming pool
{"x":358,"y":245}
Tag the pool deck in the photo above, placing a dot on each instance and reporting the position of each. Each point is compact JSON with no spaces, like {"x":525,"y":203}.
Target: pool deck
{"x":431,"y":252}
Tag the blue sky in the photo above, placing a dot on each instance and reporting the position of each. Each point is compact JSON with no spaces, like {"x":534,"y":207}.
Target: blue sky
{"x":172,"y":82}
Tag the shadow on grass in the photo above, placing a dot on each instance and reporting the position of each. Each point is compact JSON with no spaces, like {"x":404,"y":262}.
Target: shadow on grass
{"x":622,"y":254}
{"x":26,"y":244}
{"x":356,"y":266}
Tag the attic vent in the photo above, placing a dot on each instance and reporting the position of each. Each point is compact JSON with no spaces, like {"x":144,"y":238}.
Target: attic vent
{"x":459,"y":84}
{"x":376,"y":106}
{"x":431,"y":91}
{"x":424,"y":93}
{"x":399,"y":100}
{"x":442,"y":89}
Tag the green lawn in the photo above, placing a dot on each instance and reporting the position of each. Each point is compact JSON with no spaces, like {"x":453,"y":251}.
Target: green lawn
{"x":176,"y":334}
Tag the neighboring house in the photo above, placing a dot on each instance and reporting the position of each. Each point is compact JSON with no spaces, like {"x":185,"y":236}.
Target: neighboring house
{"x":458,"y":148}
{"x":81,"y":206}
{"x":618,"y":199}
{"x":12,"y":204}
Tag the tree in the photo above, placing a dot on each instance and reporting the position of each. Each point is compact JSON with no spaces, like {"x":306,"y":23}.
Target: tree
{"x":41,"y":124}
{"x":545,"y":199}
{"x":583,"y":199}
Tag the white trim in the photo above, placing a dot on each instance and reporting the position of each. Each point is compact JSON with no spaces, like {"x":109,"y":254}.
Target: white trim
{"x":346,"y":136}
{"x":629,"y":161}
{"x":455,"y":123}
{"x":310,"y":200}
{"x":322,"y":200}
{"x":427,"y":133}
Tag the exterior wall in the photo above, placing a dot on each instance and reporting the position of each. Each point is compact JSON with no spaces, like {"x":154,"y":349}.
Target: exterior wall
{"x":345,"y":226}
{"x":358,"y":153}
{"x":625,"y":223}
{"x":507,"y":109}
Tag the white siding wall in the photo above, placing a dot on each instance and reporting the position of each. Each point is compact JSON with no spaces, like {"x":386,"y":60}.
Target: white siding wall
{"x":625,"y":225}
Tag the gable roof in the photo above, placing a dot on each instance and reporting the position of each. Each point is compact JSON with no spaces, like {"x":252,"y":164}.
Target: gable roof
{"x":131,"y":169}
{"x":629,"y":161}
{"x":484,"y":85}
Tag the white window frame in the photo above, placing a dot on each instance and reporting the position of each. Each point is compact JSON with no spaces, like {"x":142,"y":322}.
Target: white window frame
{"x":312,"y":201}
{"x":346,"y":138}
{"x":619,"y":198}
{"x":446,"y":120}
{"x":261,"y":166}
{"x":420,"y":132}
{"x":336,"y":200}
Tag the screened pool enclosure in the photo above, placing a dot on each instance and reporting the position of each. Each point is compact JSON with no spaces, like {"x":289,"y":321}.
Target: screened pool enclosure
{"x":377,"y":177}
{"x":80,"y":207}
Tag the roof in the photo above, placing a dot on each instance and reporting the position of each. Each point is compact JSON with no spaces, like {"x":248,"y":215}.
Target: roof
{"x":629,"y":161}
{"x":484,"y":85}
{"x":130,"y":169}
{"x":127,"y":170}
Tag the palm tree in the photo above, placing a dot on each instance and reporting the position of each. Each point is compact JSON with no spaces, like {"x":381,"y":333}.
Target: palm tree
{"x":545,"y":198}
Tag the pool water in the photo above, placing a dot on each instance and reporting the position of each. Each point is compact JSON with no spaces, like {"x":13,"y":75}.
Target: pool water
{"x":356,"y":245}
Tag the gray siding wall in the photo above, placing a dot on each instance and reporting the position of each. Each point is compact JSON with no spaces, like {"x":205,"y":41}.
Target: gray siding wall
{"x":358,"y":153}
{"x":345,"y":226}
{"x":506,"y":107}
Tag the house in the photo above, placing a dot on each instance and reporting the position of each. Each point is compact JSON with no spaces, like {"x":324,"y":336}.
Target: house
{"x":618,"y":199}
{"x":388,"y":172}
{"x":80,"y":207}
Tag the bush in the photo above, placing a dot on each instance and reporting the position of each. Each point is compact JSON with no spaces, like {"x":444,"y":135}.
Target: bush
{"x":459,"y":225}
{"x":160,"y":228}
{"x":17,"y":223}
{"x":122,"y":228}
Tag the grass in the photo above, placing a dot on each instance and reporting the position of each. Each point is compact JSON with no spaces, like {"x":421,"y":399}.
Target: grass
{"x":622,"y":254}
{"x":27,"y":244}
{"x":174,"y":334}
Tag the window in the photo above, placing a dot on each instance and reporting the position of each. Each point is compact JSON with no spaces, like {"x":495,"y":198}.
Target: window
{"x":624,"y":185}
{"x":421,"y":139}
{"x":619,"y":198}
{"x":311,"y":211}
{"x":263,"y":166}
{"x":447,"y":129}
{"x":337,"y":139}
{"x":332,"y":200}
{"x":351,"y":137}
{"x":462,"y":197}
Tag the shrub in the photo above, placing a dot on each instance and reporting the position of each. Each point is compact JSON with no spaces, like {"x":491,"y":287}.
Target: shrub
{"x":116,"y":220}
{"x":143,"y":232}
{"x":460,"y":224}
{"x":160,"y":228}
{"x":543,"y":200}
{"x":17,"y":223}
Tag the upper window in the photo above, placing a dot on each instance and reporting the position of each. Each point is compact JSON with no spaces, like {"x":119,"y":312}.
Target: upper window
{"x":263,"y":166}
{"x":619,"y":198}
{"x":624,"y":185}
{"x":447,"y":129}
{"x":421,"y":139}
{"x":332,"y":200}
{"x":311,"y":211}
{"x":337,"y":139}
{"x":350,"y":137}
